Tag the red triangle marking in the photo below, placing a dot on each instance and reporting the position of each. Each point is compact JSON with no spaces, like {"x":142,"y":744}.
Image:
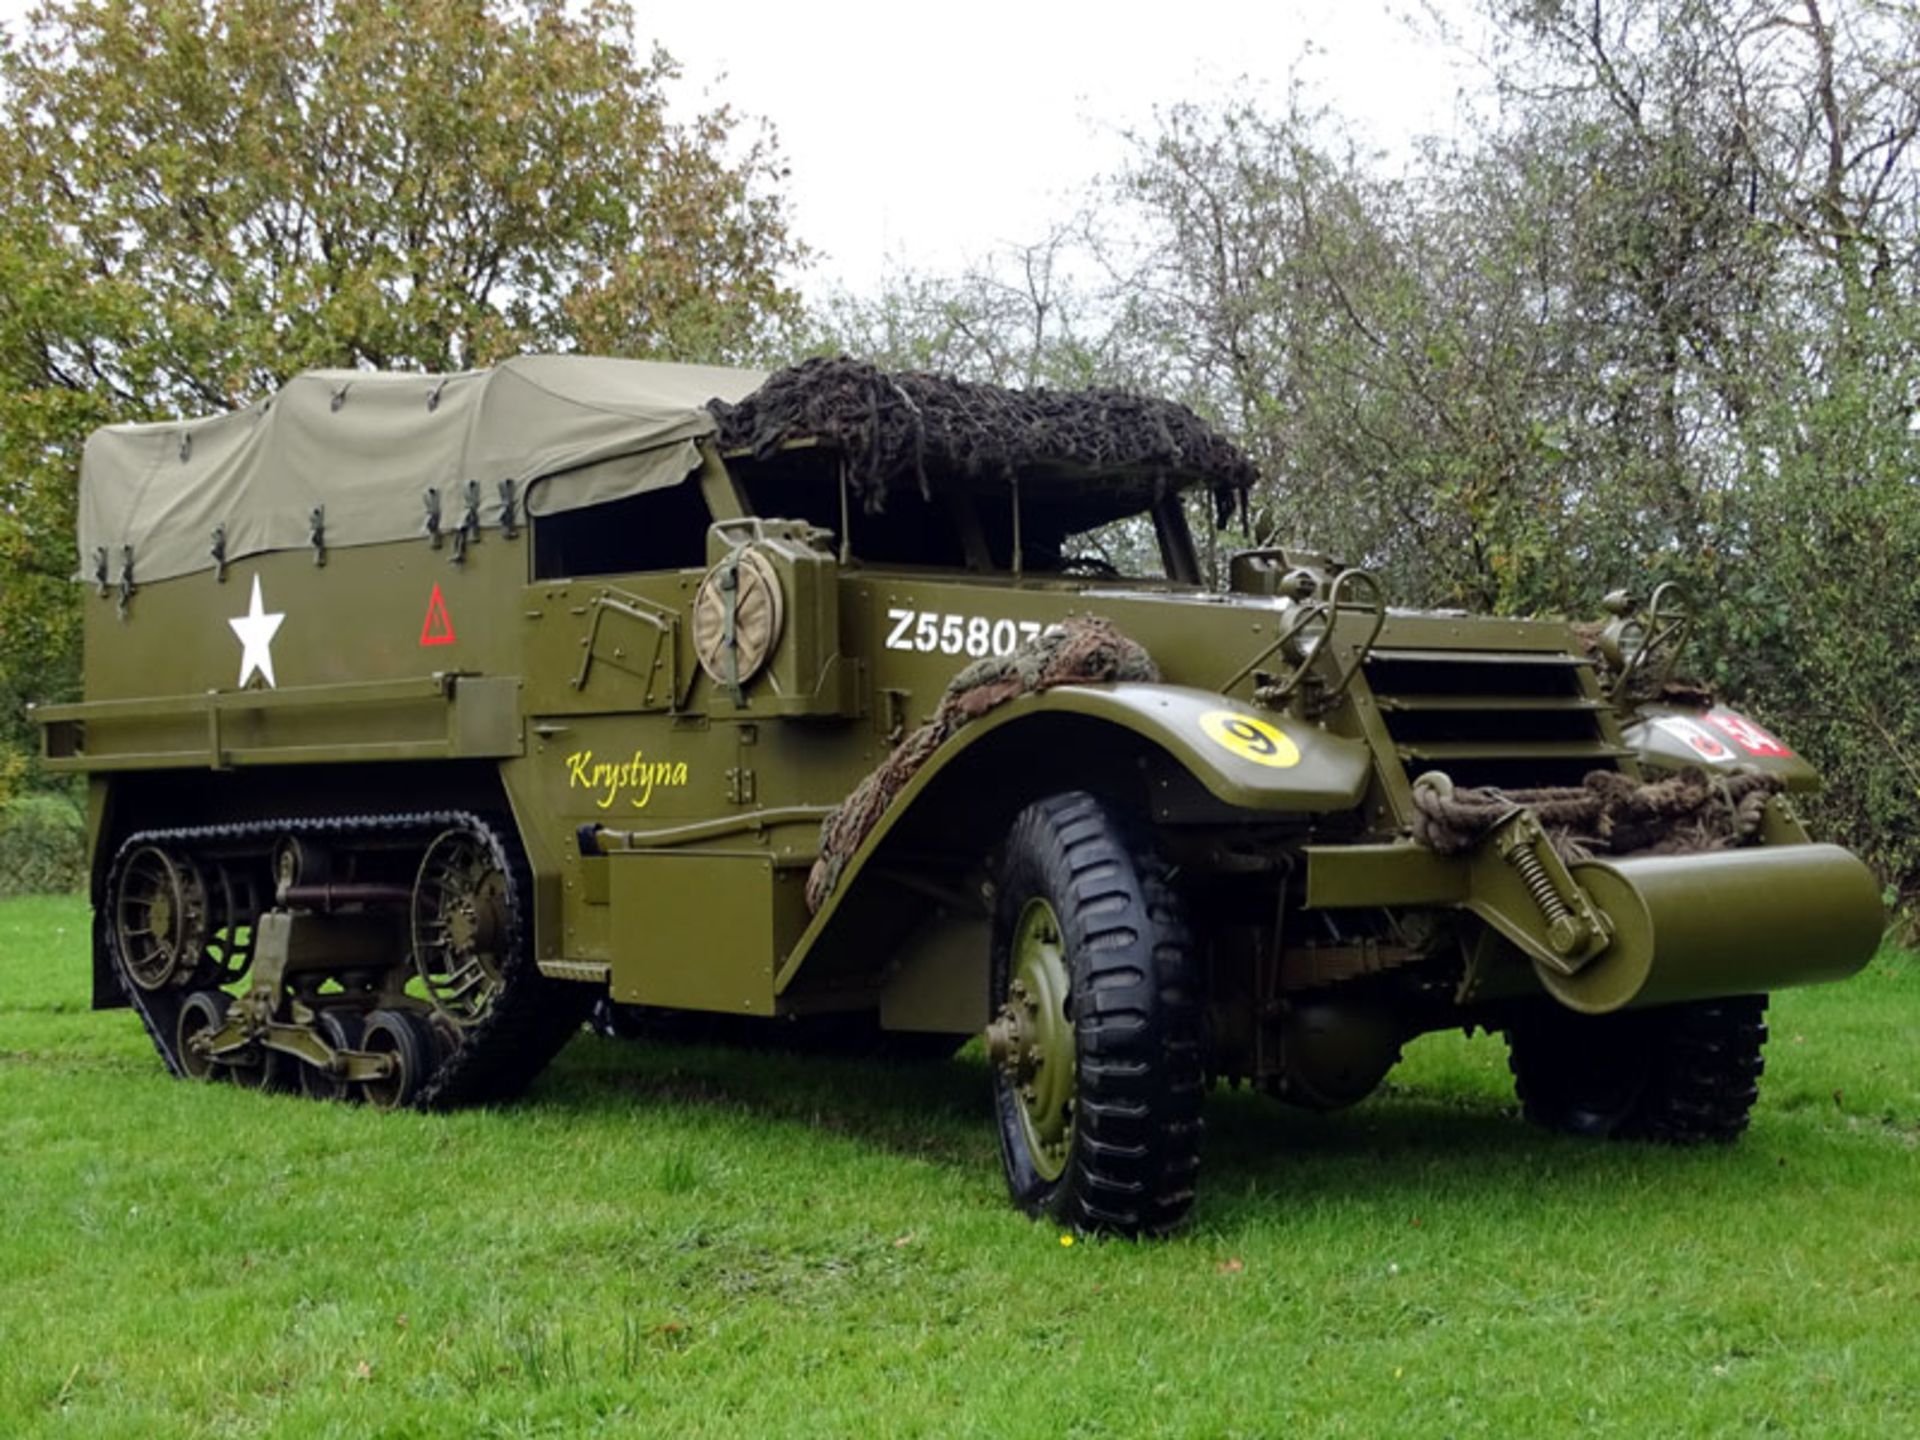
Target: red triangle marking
{"x":437,"y":629}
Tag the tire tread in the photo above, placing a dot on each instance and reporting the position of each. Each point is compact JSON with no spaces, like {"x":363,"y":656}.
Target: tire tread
{"x":1136,"y":1017}
{"x":1699,"y":1066}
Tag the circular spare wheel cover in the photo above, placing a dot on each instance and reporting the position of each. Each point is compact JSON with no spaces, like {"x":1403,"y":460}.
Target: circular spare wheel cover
{"x":758,"y":612}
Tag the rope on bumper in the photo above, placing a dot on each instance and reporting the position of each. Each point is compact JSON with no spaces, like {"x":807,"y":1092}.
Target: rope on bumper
{"x":1608,"y":814}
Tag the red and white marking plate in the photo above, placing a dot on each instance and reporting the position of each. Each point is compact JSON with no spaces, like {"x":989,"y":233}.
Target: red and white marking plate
{"x":1696,"y":738}
{"x":1747,"y":735}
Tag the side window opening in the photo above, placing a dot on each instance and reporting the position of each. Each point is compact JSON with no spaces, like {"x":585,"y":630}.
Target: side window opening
{"x":662,"y":529}
{"x":1081,"y":527}
{"x":1075,"y":539}
{"x":805,"y":485}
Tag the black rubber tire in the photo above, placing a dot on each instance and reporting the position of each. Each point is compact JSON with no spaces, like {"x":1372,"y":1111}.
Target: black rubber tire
{"x":1133,"y":999}
{"x":200,"y":1013}
{"x":409,"y":1038}
{"x":268,"y":1071}
{"x":1681,"y":1075}
{"x":340,"y":1029}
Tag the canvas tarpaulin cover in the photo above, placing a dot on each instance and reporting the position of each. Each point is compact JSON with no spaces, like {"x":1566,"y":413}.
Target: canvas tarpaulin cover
{"x":365,"y":447}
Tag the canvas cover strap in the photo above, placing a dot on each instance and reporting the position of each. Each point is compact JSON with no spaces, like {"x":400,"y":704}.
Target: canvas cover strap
{"x":566,"y":430}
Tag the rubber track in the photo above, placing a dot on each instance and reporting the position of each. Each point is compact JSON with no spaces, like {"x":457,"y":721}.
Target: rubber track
{"x":1140,"y":1082}
{"x":1701,"y":1065}
{"x":530,"y":1020}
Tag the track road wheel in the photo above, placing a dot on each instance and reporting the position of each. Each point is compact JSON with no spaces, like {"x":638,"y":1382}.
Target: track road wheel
{"x":408,"y":1038}
{"x":1681,"y":1074}
{"x":341,"y":1030}
{"x":258,"y":1068}
{"x":201,"y":1015}
{"x":1095,"y":1035}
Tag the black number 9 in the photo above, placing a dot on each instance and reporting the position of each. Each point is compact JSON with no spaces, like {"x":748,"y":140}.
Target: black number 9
{"x":1250,"y":735}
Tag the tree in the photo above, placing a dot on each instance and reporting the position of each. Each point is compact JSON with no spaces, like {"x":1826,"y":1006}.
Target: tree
{"x":1019,"y":316}
{"x":1350,"y":328}
{"x":1747,"y":296}
{"x":1659,"y":318}
{"x":200,"y":198}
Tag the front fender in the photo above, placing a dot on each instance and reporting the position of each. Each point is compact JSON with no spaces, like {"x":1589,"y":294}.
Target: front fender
{"x":1672,"y":737}
{"x":1251,"y":763}
{"x":1247,"y":758}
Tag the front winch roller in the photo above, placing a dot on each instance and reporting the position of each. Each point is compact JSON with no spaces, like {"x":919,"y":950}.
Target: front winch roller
{"x":1728,"y":922}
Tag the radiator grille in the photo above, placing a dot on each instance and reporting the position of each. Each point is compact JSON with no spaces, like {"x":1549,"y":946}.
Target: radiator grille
{"x":1511,"y":719}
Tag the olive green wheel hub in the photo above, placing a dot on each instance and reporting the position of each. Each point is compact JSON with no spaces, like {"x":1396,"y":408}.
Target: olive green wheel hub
{"x":1031,"y":1038}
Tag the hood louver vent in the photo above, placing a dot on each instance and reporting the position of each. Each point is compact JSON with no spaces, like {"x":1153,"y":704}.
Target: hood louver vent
{"x":1509,"y":719}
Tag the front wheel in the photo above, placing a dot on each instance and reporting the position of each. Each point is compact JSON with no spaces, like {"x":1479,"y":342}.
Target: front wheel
{"x":1095,"y":1036}
{"x":1683,"y":1074}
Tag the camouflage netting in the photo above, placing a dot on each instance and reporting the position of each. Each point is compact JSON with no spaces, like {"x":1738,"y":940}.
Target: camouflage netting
{"x":1076,"y":652}
{"x":900,"y":428}
{"x":1610,"y":814}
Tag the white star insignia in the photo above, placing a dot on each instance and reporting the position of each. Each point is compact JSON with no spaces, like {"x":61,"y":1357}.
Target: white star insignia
{"x":256,"y":630}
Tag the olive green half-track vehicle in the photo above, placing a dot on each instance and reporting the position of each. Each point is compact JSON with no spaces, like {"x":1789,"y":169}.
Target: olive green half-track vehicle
{"x":424,"y":713}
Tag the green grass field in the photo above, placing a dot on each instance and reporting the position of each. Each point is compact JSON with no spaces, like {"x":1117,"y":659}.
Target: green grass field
{"x":666,"y":1241}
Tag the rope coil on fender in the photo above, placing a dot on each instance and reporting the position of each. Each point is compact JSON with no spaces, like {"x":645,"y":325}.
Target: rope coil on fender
{"x":1080,"y":651}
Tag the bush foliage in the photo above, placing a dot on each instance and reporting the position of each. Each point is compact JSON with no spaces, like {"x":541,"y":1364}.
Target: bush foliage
{"x":43,"y":846}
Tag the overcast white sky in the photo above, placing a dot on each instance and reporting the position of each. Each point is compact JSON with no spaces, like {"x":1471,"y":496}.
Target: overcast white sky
{"x":927,"y":135}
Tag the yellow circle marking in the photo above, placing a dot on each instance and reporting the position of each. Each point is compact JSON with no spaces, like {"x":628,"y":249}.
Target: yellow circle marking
{"x":1250,"y":739}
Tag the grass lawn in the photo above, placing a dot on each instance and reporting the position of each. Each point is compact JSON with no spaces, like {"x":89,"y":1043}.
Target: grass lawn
{"x":669,"y":1241}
